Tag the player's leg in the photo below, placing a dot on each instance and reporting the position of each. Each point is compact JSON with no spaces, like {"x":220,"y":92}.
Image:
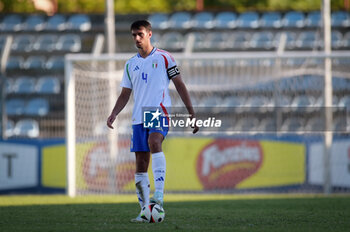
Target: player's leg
{"x":141,"y":178}
{"x":139,"y":145}
{"x":158,"y":165}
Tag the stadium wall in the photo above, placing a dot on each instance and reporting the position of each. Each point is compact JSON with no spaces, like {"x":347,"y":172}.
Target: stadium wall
{"x":225,"y":164}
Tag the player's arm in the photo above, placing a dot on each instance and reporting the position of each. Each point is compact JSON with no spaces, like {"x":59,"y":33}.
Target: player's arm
{"x":119,"y":105}
{"x":185,"y":96}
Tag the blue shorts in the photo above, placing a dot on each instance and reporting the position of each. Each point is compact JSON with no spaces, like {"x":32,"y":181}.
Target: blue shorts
{"x":139,"y":137}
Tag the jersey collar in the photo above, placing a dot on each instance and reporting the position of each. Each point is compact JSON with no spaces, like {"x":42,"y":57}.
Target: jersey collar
{"x":153,"y":51}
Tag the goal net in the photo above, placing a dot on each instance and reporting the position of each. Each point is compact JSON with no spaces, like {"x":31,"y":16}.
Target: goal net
{"x":271,"y":109}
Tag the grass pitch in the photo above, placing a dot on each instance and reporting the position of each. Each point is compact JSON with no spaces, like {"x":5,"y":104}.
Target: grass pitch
{"x":183,"y":213}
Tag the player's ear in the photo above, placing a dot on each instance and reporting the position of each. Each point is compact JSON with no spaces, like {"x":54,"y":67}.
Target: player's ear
{"x":150,"y":34}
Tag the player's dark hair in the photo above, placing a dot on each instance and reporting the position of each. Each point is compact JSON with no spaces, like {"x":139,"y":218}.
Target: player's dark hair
{"x":141,"y":23}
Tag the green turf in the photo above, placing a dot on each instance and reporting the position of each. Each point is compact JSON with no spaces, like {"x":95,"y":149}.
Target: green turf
{"x":183,"y":213}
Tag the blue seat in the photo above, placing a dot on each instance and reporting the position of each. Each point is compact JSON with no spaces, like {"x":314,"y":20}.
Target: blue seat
{"x":23,"y":43}
{"x":48,"y":85}
{"x":8,"y":86}
{"x":45,"y":43}
{"x":79,"y":22}
{"x":313,"y":19}
{"x":262,"y":40}
{"x":24,"y":85}
{"x":34,"y":23}
{"x":173,"y":41}
{"x":12,"y":22}
{"x":37,"y":107}
{"x":199,"y":40}
{"x":15,"y":106}
{"x":294,"y":19}
{"x":293,"y":125}
{"x":34,"y":63}
{"x":248,"y":20}
{"x":55,"y":63}
{"x":247,"y":124}
{"x":203,"y":20}
{"x":10,"y":126}
{"x":308,"y":40}
{"x":2,"y":41}
{"x":27,"y":128}
{"x":340,"y":19}
{"x":56,"y":22}
{"x":159,"y":21}
{"x":217,"y":41}
{"x":225,"y":20}
{"x":180,"y":20}
{"x":346,"y":40}
{"x":290,"y":42}
{"x":14,"y":63}
{"x":240,"y":40}
{"x":337,"y":39}
{"x":271,"y":20}
{"x":69,"y":43}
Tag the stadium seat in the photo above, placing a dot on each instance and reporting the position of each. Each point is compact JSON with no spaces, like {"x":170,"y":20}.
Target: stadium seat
{"x":337,"y":39}
{"x":294,"y":19}
{"x":79,"y":22}
{"x":248,"y":20}
{"x":239,"y":40}
{"x":159,"y":21}
{"x":345,"y":103}
{"x":155,"y":39}
{"x":2,"y":41}
{"x":290,"y":39}
{"x":48,"y":85}
{"x":34,"y":63}
{"x":339,"y":124}
{"x":12,"y":22}
{"x":225,"y":20}
{"x":37,"y":107}
{"x":313,"y":19}
{"x":180,"y":20}
{"x":56,"y":22}
{"x":211,"y":101}
{"x":10,"y":126}
{"x":45,"y":43}
{"x":14,"y":63}
{"x":259,"y":103}
{"x":308,"y":40}
{"x":55,"y":63}
{"x":293,"y":125}
{"x":271,"y":20}
{"x":173,"y":41}
{"x":340,"y":19}
{"x":247,"y":124}
{"x":203,"y":20}
{"x":23,"y":43}
{"x":304,"y":103}
{"x":346,"y":40}
{"x":34,"y":23}
{"x":24,"y":85}
{"x":217,"y":41}
{"x":199,"y":40}
{"x":15,"y":106}
{"x":27,"y":128}
{"x":267,"y":125}
{"x":262,"y":40}
{"x":69,"y":43}
{"x":315,"y":124}
{"x":8,"y":86}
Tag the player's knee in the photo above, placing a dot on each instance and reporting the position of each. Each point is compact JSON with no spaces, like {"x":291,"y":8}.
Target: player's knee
{"x":155,"y":145}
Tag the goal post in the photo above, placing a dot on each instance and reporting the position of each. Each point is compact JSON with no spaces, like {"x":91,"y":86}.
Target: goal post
{"x":99,"y":160}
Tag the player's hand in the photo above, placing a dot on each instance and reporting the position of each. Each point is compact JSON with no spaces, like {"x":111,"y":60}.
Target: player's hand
{"x":195,"y":127}
{"x":110,"y":121}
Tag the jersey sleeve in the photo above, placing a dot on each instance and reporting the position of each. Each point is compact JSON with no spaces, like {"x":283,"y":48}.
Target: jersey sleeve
{"x":126,"y":81}
{"x":171,"y":66}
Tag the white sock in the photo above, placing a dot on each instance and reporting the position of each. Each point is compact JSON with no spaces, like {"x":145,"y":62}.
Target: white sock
{"x":159,"y":169}
{"x":142,"y":188}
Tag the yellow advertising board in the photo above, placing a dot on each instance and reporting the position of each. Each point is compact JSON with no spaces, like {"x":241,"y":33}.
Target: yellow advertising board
{"x":193,"y":164}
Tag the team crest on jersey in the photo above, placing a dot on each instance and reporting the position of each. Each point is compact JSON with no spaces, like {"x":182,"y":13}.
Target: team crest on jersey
{"x":154,"y":64}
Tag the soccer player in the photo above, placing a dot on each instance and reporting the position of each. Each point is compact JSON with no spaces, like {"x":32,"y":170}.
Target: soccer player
{"x":148,"y":74}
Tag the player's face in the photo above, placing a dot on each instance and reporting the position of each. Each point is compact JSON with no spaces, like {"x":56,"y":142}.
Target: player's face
{"x":142,"y":37}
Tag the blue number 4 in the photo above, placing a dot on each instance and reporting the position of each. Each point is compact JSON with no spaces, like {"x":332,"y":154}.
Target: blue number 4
{"x":144,"y":77}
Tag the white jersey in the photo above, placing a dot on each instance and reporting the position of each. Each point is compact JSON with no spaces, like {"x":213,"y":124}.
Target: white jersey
{"x":149,"y":79}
